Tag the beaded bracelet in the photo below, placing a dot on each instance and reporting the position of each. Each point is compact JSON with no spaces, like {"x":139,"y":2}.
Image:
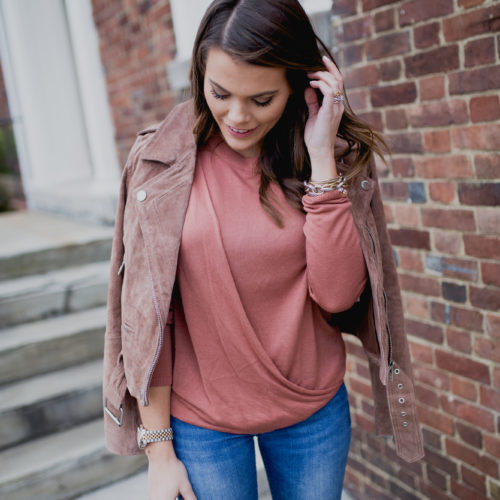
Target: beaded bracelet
{"x":316,"y":188}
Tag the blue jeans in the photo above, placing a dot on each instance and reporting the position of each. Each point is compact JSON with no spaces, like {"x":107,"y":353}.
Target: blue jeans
{"x":304,"y":461}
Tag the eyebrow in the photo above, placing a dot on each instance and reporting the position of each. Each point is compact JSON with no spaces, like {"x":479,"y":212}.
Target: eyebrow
{"x":261,"y":94}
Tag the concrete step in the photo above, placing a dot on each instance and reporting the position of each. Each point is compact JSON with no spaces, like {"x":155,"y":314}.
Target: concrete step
{"x":57,"y":292}
{"x":50,"y":403}
{"x":34,"y":243}
{"x":63,"y":466}
{"x":51,"y":344}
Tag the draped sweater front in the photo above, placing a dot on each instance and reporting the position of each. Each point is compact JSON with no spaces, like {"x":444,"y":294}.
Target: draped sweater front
{"x":253,"y":350}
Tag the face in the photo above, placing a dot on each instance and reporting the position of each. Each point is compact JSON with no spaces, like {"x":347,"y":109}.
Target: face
{"x":246,"y":100}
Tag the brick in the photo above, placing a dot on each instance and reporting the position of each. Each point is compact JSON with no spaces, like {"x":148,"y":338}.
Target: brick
{"x":493,"y":325}
{"x":432,"y":377}
{"x":373,"y":4}
{"x":431,"y":438}
{"x":410,"y":142}
{"x":388,"y":45}
{"x":457,"y":316}
{"x":442,"y":192}
{"x":458,"y":340}
{"x":410,"y":260}
{"x":487,"y":166}
{"x":395,"y":119}
{"x":464,"y":492}
{"x":437,"y":114}
{"x":461,"y":220}
{"x":437,"y":141}
{"x":389,"y":214}
{"x":374,"y":119}
{"x":484,"y":193}
{"x":358,"y":99}
{"x":394,"y":190}
{"x":352,"y":54}
{"x":447,"y":242}
{"x":484,"y":109}
{"x":485,"y":137}
{"x":417,"y":192}
{"x":490,"y":398}
{"x":471,"y":457}
{"x":462,"y":366}
{"x":424,"y":331}
{"x":492,"y":445}
{"x":403,"y":167}
{"x":494,"y":488}
{"x":470,"y":435}
{"x":445,"y":167}
{"x":454,"y":292}
{"x":478,"y":52}
{"x":343,"y":8}
{"x":475,"y":415}
{"x":419,"y":10}
{"x":463,"y":388}
{"x":411,"y":238}
{"x":474,"y":80}
{"x":441,"y":462}
{"x":488,"y":220}
{"x":366,"y":424}
{"x":354,"y":30}
{"x":384,"y":20}
{"x":407,"y":215}
{"x":391,"y":95}
{"x":488,"y":349}
{"x":361,"y":76}
{"x":462,"y":269}
{"x":420,"y":353}
{"x":473,"y":23}
{"x":485,"y":297}
{"x":437,"y":478}
{"x":389,"y":70}
{"x":473,"y":479}
{"x":487,"y":247}
{"x":438,"y":60}
{"x":427,"y":396}
{"x":431,"y":87}
{"x":435,"y":419}
{"x":467,"y":4}
{"x":427,"y":35}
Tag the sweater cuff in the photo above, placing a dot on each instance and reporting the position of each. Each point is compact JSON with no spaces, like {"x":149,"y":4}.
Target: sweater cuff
{"x":333,"y":196}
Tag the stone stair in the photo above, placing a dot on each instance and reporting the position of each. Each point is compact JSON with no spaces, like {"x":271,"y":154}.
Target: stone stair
{"x":53,"y":285}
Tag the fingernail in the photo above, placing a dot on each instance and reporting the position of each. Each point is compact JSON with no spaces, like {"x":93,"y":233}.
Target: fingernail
{"x":325,"y":58}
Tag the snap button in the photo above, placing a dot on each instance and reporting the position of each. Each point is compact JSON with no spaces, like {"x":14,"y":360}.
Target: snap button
{"x":400,"y":386}
{"x":401,"y":400}
{"x":365,"y":185}
{"x":141,"y":195}
{"x":403,"y":414}
{"x":396,"y":371}
{"x":405,"y":424}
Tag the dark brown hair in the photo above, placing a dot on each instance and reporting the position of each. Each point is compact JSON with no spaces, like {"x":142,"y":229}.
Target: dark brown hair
{"x":275,"y":33}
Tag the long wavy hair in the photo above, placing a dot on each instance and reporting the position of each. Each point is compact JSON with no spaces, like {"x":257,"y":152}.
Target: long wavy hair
{"x":278,"y":34}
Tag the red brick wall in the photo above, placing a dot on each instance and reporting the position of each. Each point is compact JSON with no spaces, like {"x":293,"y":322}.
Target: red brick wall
{"x":427,"y":74}
{"x":136,"y":43}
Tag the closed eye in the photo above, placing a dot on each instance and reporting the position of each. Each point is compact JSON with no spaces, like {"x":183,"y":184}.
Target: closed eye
{"x":218,"y":96}
{"x":262,"y":104}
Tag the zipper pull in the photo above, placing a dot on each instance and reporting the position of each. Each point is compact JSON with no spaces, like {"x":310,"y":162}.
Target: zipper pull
{"x":121,"y":267}
{"x":391,"y":369}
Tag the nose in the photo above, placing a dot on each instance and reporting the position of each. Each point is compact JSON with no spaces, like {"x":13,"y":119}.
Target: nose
{"x":238,"y":112}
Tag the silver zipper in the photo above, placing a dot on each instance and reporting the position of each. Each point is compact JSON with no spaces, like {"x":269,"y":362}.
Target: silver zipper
{"x":389,"y":357}
{"x":372,"y":238}
{"x":160,"y":342}
{"x":121,"y":267}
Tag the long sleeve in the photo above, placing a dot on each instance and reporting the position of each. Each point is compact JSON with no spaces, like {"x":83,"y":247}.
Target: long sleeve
{"x":336,"y":269}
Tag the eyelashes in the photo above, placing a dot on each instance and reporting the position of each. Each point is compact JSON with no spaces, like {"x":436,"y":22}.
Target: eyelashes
{"x":222,"y":97}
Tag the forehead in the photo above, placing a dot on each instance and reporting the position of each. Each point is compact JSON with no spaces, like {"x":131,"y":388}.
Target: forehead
{"x":241,"y":78}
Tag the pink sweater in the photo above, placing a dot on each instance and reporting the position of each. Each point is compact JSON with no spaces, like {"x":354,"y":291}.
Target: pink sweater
{"x":253,"y":349}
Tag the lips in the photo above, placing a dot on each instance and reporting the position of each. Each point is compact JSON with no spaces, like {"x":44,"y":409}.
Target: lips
{"x":238,"y":132}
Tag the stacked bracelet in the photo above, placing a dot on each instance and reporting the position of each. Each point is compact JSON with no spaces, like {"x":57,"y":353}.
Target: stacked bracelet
{"x":315,"y":188}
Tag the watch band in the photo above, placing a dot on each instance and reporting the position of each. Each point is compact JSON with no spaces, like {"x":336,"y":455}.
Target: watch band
{"x":145,"y":436}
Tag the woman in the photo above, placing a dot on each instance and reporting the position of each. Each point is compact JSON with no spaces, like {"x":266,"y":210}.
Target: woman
{"x":241,"y":251}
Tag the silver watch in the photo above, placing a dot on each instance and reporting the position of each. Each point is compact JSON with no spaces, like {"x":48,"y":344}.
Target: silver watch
{"x":144,"y":436}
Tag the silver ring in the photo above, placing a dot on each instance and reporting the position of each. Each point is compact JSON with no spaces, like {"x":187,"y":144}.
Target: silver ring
{"x":338,"y":98}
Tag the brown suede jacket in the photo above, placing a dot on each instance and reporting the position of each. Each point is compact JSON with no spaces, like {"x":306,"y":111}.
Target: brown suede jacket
{"x":152,"y":204}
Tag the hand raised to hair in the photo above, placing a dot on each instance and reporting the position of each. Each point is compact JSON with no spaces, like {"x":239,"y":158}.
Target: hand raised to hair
{"x":323,"y":122}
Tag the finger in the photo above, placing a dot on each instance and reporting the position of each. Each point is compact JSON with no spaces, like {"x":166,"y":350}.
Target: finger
{"x":311,"y":100}
{"x":187,"y":492}
{"x":335,"y":83}
{"x":328,"y":93}
{"x":332,"y":68}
